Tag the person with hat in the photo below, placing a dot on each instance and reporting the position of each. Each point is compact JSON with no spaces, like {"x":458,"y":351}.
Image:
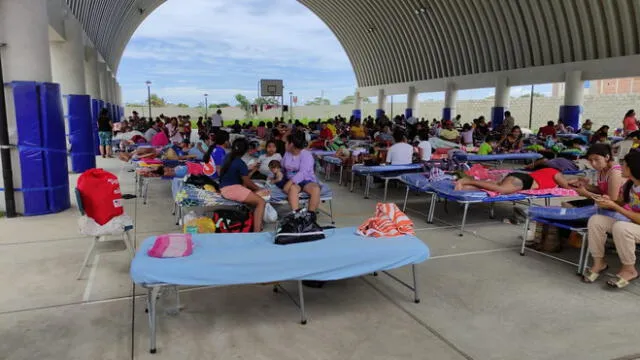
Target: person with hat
{"x":448,"y":132}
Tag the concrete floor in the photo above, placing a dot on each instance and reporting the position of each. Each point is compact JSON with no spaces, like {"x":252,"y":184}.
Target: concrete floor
{"x":480,"y":299}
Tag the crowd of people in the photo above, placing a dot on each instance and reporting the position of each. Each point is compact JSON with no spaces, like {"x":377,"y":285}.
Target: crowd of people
{"x":280,"y":152}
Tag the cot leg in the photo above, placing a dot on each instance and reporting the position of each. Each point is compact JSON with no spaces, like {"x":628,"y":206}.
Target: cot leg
{"x":432,"y":208}
{"x":525,"y":231}
{"x":367,"y":181}
{"x":88,"y":256}
{"x":464,"y":218}
{"x":303,"y":314}
{"x":152,"y":300}
{"x":331,"y":211}
{"x":386,"y":187}
{"x":416,"y":295}
{"x":145,"y":190}
{"x":492,"y":211}
{"x":406,"y":198}
{"x":341,"y":171}
{"x":353,"y":175}
{"x":547,"y":202}
{"x":584,"y":254}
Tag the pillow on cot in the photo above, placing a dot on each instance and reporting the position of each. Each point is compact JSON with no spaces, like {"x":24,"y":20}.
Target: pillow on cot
{"x":172,"y":246}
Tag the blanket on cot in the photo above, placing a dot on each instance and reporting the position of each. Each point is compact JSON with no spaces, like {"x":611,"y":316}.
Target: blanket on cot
{"x":249,"y":258}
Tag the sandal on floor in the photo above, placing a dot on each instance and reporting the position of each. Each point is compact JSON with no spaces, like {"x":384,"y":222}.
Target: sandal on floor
{"x":589,"y":276}
{"x":619,"y":282}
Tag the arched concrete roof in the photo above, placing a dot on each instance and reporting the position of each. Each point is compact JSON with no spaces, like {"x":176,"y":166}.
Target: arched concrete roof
{"x":401,"y":41}
{"x":111,"y":23}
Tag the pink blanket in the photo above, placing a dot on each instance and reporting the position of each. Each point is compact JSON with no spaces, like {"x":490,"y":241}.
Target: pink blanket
{"x":556,"y":191}
{"x":171,"y":246}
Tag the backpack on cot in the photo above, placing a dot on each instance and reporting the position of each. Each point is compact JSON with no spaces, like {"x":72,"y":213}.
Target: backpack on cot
{"x":101,"y":195}
{"x":238,"y":220}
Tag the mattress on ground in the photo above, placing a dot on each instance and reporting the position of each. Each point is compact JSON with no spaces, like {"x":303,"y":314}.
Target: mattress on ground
{"x":446,"y":189}
{"x":332,"y":160}
{"x":249,"y":258}
{"x":560,"y":213}
{"x":498,"y":157}
{"x":379,"y":169}
{"x":278,"y":196}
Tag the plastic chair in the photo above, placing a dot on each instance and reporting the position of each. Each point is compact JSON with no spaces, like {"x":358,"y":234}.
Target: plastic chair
{"x":125,"y":237}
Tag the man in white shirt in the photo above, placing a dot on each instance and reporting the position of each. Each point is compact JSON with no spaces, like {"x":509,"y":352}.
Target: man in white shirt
{"x":400,"y":153}
{"x":216,"y":120}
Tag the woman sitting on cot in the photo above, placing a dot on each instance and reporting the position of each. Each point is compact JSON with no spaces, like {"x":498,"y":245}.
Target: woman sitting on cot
{"x":547,"y":178}
{"x":626,"y":234}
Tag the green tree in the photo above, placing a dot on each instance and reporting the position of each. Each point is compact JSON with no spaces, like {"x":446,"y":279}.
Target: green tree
{"x":216,"y":106}
{"x":157,"y":101}
{"x":318,"y":101}
{"x":182,"y":105}
{"x":351,"y":99}
{"x":265,"y":101}
{"x":134,"y":105}
{"x":244,"y":104}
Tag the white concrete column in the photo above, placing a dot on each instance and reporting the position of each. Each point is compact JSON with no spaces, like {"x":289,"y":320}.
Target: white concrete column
{"x":67,"y":59}
{"x":501,"y":102}
{"x":92,"y":78}
{"x":109,"y":87}
{"x":571,"y":112}
{"x":357,"y":109}
{"x":382,"y":103}
{"x":24,"y":27}
{"x":450,"y":97}
{"x":412,"y":103}
{"x":102,"y":76}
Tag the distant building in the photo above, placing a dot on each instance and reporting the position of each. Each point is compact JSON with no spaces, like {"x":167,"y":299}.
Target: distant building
{"x":604,"y":87}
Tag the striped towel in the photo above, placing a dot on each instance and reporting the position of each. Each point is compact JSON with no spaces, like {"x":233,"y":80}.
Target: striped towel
{"x":389,"y":221}
{"x":171,"y":246}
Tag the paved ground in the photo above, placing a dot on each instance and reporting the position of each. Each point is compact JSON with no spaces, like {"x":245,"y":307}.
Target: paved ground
{"x":480,"y":299}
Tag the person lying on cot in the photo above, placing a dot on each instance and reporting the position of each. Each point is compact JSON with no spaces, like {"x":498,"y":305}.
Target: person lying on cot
{"x":517,"y":181}
{"x":626,"y":234}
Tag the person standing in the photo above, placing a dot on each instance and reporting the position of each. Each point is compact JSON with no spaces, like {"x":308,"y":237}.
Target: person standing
{"x":508,"y":123}
{"x":216,"y":121}
{"x":630,"y":123}
{"x":105,"y":133}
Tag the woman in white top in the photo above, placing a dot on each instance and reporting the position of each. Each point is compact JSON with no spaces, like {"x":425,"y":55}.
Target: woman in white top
{"x":400,"y":153}
{"x":424,"y":145}
{"x":261,"y":170}
{"x":174,"y":131}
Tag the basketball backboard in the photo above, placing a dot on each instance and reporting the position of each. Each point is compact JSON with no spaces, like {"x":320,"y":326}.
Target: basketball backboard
{"x":271,"y":87}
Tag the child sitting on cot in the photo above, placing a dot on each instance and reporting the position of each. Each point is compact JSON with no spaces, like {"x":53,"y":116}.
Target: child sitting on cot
{"x":277,"y":176}
{"x":546,"y":178}
{"x":488,"y":146}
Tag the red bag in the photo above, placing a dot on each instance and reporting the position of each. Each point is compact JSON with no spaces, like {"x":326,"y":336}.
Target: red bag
{"x":233,"y":220}
{"x":101,"y":196}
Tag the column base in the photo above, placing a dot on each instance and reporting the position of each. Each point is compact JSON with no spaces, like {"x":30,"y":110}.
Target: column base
{"x":446,"y":113}
{"x":357,"y":114}
{"x":497,"y":116}
{"x":570,"y":115}
{"x":379,"y":113}
{"x":408,"y":112}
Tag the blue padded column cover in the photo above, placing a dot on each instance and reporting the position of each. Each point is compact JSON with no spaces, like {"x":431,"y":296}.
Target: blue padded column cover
{"x":81,"y":135}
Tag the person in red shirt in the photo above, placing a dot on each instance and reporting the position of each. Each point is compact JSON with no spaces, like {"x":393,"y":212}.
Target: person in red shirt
{"x":549,"y":130}
{"x":325,"y":135}
{"x":630,"y":123}
{"x":546,"y":178}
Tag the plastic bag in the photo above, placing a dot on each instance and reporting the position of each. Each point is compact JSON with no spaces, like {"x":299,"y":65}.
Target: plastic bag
{"x":201,"y":225}
{"x":270,"y":214}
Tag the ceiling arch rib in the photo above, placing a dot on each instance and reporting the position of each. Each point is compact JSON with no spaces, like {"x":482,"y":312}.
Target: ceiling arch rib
{"x":394,"y":41}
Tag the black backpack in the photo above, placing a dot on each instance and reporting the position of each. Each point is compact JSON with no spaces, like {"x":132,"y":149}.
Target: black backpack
{"x":297,"y":227}
{"x":238,"y":220}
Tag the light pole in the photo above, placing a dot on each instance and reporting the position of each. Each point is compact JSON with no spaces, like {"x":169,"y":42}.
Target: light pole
{"x":290,"y":106}
{"x":149,"y":97}
{"x":206,"y":107}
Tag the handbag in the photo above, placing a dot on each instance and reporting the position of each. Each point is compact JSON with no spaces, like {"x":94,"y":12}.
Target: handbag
{"x":297,"y":227}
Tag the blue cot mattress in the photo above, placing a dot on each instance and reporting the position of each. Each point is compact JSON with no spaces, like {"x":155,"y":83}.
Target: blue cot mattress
{"x":497,"y":157}
{"x":380,"y":169}
{"x":249,"y":258}
{"x":279,"y":197}
{"x":332,"y":160}
{"x":560,"y":213}
{"x":322,"y":152}
{"x":416,"y":181}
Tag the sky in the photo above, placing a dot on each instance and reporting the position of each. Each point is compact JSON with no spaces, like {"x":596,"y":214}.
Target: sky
{"x":187,"y":48}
